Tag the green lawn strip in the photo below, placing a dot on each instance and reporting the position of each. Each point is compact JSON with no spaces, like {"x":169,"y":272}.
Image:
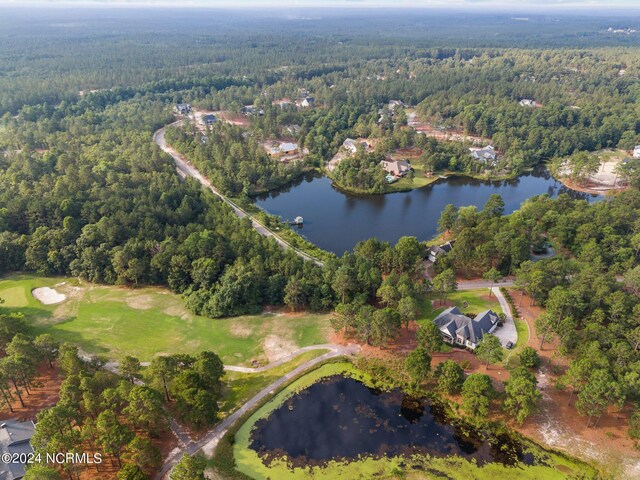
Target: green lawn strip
{"x":149,"y":321}
{"x":249,"y":464}
{"x":477,"y":301}
{"x":240,"y":387}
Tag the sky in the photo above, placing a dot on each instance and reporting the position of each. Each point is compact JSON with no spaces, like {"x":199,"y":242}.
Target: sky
{"x":468,"y":4}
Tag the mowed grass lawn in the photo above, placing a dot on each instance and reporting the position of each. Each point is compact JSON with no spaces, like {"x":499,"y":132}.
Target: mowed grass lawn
{"x":476,"y":300}
{"x":145,"y":322}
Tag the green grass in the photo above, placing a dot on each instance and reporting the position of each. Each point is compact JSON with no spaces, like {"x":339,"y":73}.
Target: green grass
{"x":145,"y":322}
{"x":249,"y":463}
{"x":240,"y":387}
{"x":477,"y":300}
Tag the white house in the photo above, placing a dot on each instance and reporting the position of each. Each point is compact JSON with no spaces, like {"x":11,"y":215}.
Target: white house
{"x":636,"y":152}
{"x":484,"y":154}
{"x":525,"y":102}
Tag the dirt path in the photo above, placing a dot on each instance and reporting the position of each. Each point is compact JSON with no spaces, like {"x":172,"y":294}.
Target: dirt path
{"x":186,"y":169}
{"x":210,"y":440}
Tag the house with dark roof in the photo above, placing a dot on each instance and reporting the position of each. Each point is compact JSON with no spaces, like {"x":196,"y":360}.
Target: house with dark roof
{"x":397,"y":168}
{"x":14,"y":440}
{"x":458,"y":329}
{"x":307,"y":102}
{"x":209,"y":119}
{"x":439,"y":250}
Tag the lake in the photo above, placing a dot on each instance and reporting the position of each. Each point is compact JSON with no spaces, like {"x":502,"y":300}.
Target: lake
{"x":337,"y":221}
{"x":341,"y":418}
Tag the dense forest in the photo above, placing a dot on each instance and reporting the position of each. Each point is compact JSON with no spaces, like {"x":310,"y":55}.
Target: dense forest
{"x":84,"y":191}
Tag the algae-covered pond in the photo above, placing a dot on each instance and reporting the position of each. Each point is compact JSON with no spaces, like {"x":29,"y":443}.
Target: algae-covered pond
{"x":332,"y":423}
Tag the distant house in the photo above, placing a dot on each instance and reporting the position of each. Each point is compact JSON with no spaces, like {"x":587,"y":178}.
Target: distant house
{"x":439,"y":250}
{"x":209,"y":119}
{"x":484,"y":154}
{"x":307,"y":102}
{"x":525,"y":102}
{"x":636,"y":152}
{"x":282,"y":103}
{"x":292,"y":129}
{"x":183,"y":108}
{"x":285,"y":148}
{"x":252,"y":110}
{"x":352,"y":145}
{"x":14,"y":440}
{"x":458,"y":329}
{"x":397,"y":168}
{"x":393,"y":104}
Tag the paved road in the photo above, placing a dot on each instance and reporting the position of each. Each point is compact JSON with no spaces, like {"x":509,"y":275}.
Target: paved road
{"x":478,"y":284}
{"x":210,"y":441}
{"x":186,"y":169}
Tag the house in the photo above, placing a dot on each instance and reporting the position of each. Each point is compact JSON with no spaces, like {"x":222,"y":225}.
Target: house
{"x":282,"y":103}
{"x":252,"y":110}
{"x":183,"y":108}
{"x":397,"y":168}
{"x":307,"y":102}
{"x":484,"y":154}
{"x":14,"y":440}
{"x":458,"y":329}
{"x":393,"y":104}
{"x":439,"y":250}
{"x":636,"y":152}
{"x":293,"y":129}
{"x":285,"y":148}
{"x":209,"y":119}
{"x":525,"y":102}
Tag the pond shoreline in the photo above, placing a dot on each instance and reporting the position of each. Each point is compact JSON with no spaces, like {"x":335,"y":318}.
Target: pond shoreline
{"x":249,"y":463}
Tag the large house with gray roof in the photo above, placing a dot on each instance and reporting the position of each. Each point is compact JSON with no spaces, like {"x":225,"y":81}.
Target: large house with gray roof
{"x":458,"y":329}
{"x":14,"y":439}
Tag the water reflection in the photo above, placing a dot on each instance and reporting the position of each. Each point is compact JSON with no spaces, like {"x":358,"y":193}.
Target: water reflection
{"x":341,"y":418}
{"x":336,"y":221}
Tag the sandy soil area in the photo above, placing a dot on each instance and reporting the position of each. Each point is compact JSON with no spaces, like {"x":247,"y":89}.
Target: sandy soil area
{"x":429,"y":130}
{"x":45,"y":395}
{"x":48,"y":296}
{"x":604,"y":181}
{"x":276,"y":347}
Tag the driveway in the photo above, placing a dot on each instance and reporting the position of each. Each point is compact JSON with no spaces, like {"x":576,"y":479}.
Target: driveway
{"x":507,"y":332}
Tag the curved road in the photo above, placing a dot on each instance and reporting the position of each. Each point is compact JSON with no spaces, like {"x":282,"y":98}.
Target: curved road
{"x":210,"y":441}
{"x":186,"y":169}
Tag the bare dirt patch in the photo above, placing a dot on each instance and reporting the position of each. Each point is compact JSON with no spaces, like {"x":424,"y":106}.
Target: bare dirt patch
{"x":241,"y":330}
{"x":276,"y":347}
{"x":48,"y":295}
{"x":140,"y":302}
{"x":605,"y":180}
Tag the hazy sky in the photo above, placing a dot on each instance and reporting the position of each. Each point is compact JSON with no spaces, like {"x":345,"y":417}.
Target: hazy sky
{"x":507,"y":4}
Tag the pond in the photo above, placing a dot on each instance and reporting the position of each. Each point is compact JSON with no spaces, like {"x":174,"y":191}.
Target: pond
{"x":341,"y":418}
{"x":337,"y":221}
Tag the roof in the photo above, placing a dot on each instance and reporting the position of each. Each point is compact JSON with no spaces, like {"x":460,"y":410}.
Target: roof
{"x":287,"y":147}
{"x":209,"y":118}
{"x":484,"y":153}
{"x":396,"y":167}
{"x":14,"y":439}
{"x":453,"y":323}
{"x":442,"y":249}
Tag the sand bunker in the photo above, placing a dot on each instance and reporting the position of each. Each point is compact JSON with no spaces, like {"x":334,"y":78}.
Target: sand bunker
{"x":48,"y":296}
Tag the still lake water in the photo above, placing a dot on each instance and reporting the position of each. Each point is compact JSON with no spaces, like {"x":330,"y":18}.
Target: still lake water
{"x":341,"y":418}
{"x":337,"y":221}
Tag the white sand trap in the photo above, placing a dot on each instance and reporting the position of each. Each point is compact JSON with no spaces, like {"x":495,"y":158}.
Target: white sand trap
{"x":48,"y":296}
